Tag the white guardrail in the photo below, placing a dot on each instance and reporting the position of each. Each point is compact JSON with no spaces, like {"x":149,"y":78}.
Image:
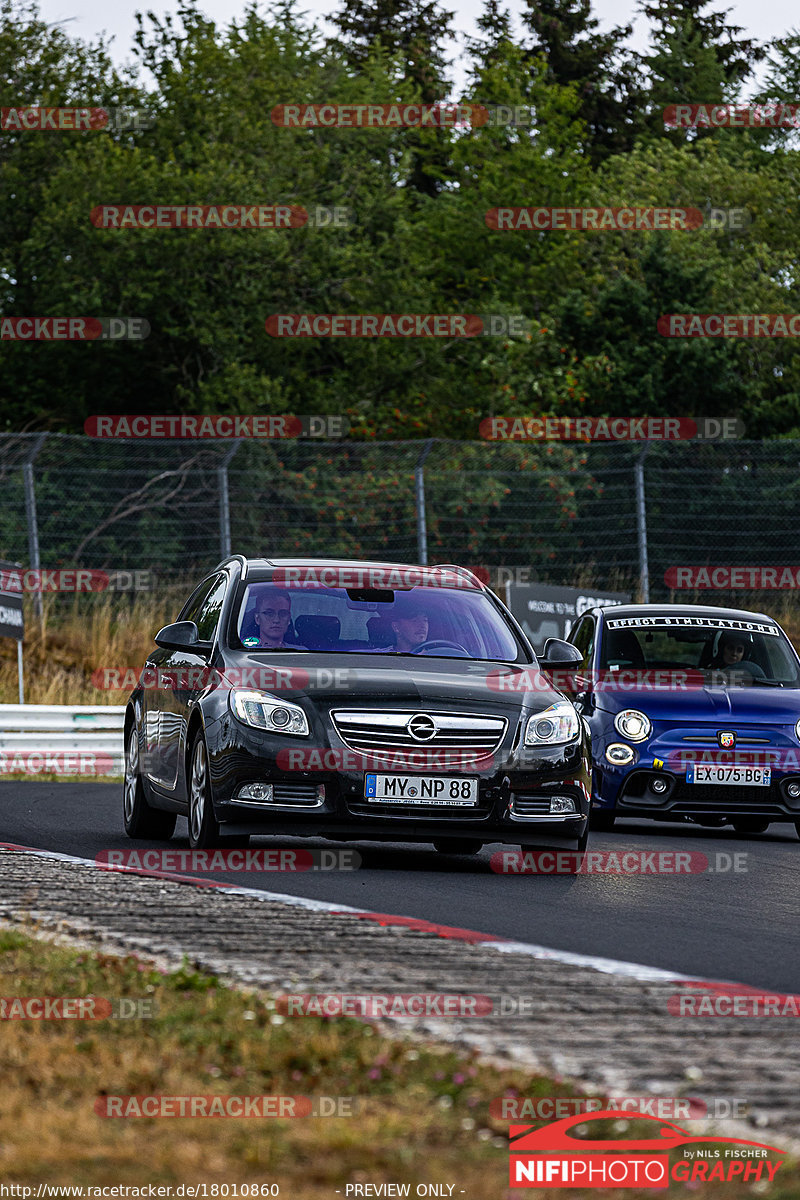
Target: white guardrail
{"x":47,"y":739}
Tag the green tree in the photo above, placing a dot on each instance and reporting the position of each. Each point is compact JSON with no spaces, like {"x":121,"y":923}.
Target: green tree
{"x":696,"y":57}
{"x":413,"y":34}
{"x":602,"y":71}
{"x":41,"y":66}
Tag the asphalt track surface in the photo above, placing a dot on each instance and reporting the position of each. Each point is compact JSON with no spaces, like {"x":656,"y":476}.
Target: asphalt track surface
{"x":723,"y":924}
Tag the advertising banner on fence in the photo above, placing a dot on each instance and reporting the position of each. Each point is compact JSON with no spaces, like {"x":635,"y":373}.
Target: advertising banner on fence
{"x":544,"y":611}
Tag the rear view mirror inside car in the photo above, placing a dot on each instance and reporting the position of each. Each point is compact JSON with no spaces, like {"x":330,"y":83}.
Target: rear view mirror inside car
{"x":369,"y":597}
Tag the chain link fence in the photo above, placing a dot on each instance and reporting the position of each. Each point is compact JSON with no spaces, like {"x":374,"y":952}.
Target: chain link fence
{"x":567,"y":513}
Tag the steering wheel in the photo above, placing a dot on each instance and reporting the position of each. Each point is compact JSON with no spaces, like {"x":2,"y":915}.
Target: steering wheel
{"x":735,"y":674}
{"x":438,"y":644}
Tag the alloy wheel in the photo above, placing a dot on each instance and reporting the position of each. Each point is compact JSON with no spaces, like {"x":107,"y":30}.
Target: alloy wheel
{"x":197,"y":800}
{"x":131,"y":774}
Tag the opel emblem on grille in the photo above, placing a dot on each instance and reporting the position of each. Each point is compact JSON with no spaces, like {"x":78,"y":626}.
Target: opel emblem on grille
{"x":726,"y":739}
{"x":422,"y":727}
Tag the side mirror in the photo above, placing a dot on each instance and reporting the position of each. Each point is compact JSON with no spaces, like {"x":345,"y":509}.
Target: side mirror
{"x":558,"y":653}
{"x":181,"y":635}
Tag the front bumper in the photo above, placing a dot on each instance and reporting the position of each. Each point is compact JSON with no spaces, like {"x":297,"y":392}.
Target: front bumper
{"x":514,"y":795}
{"x":627,"y":789}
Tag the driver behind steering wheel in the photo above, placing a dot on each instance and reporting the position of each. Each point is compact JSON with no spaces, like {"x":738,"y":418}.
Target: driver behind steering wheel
{"x":410,"y":626}
{"x":731,"y":658}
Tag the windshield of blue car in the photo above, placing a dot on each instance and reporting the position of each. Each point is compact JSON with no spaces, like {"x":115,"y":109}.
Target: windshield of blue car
{"x":729,"y":653}
{"x":431,"y":621}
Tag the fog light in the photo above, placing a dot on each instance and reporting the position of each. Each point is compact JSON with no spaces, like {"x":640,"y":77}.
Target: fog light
{"x":659,"y":786}
{"x":619,"y":754}
{"x":261,"y":792}
{"x":562,"y":804}
{"x":793,"y":790}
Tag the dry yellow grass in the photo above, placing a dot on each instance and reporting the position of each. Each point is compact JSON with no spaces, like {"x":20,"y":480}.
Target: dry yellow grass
{"x":423,"y":1109}
{"x":80,"y":635}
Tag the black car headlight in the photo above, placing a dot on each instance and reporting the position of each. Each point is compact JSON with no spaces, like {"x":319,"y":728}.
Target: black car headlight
{"x":633,"y":725}
{"x":263,"y":711}
{"x":556,"y":725}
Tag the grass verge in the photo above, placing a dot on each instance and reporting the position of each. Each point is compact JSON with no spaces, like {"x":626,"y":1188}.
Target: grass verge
{"x":422,"y":1111}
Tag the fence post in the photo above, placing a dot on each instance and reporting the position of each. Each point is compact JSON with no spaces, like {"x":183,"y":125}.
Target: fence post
{"x":31,"y":519}
{"x":419,"y":496}
{"x":641,"y":525}
{"x":224,"y":502}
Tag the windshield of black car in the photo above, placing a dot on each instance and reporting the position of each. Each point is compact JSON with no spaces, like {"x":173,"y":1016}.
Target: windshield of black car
{"x":431,"y":621}
{"x":729,"y":653}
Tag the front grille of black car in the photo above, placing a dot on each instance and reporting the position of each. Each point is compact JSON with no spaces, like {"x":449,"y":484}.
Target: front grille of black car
{"x":372,"y":732}
{"x":295,"y":793}
{"x":530,"y":806}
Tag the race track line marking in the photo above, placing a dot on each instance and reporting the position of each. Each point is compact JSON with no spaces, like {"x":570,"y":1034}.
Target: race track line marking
{"x":607,"y":966}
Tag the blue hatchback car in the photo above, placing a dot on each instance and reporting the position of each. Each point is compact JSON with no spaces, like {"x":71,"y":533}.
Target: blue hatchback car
{"x":694,"y":713}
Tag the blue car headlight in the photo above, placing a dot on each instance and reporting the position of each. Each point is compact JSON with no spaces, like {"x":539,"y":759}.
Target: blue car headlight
{"x":263,"y":711}
{"x":555,"y":726}
{"x":633,"y":725}
{"x":797,"y":731}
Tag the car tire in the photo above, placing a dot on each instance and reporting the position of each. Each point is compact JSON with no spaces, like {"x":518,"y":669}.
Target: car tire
{"x":797,"y":828}
{"x":458,"y":846}
{"x":204,"y":831}
{"x":750,"y":825}
{"x":583,"y":840}
{"x":602,"y":819}
{"x":140,"y":820}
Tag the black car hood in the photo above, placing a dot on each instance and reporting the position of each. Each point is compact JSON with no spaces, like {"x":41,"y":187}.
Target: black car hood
{"x":389,"y":680}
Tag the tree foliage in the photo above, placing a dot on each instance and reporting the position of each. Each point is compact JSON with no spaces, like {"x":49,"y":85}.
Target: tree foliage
{"x":418,"y":240}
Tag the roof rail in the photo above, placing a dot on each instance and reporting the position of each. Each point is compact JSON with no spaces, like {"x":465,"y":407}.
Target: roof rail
{"x":232,"y":558}
{"x":465,"y":571}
